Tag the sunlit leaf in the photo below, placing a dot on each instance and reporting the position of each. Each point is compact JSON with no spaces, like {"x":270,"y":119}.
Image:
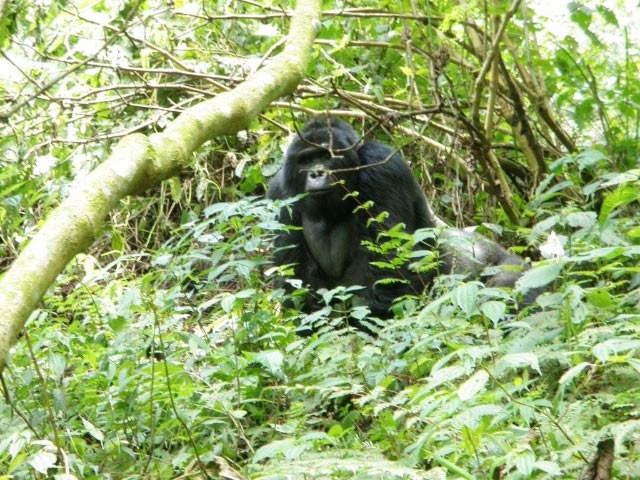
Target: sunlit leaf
{"x":473,"y":385}
{"x":466,"y":297}
{"x":538,"y":277}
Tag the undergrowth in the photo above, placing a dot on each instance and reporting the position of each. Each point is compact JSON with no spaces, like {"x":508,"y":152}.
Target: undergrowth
{"x":194,"y":365}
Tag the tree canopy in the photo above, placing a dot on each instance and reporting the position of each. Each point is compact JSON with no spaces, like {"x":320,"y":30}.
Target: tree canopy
{"x":137,"y":141}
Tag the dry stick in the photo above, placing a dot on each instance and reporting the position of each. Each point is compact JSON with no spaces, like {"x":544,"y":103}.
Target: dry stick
{"x":413,"y":89}
{"x":488,"y":128}
{"x":210,"y":78}
{"x":491,"y":55}
{"x":347,"y":13}
{"x":151,"y":46}
{"x":525,"y":140}
{"x":537,"y":94}
{"x":522,"y":127}
{"x":454,"y":58}
{"x":602,"y":113}
{"x":519,"y":128}
{"x":492,"y":166}
{"x":213,"y":79}
{"x":388,"y":106}
{"x":459,"y":163}
{"x":493,"y":87}
{"x":457,"y":160}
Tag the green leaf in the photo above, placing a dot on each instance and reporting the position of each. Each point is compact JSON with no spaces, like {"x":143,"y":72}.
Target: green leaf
{"x":522,"y":359}
{"x":573,"y":372}
{"x":466,"y":297}
{"x":407,"y":71}
{"x":272,"y":360}
{"x":446,"y":374}
{"x":614,"y":346}
{"x":43,"y":461}
{"x":601,"y":298}
{"x":608,"y":15}
{"x":452,"y":467}
{"x":589,"y":157}
{"x":57,"y":364}
{"x":619,"y":197}
{"x":93,"y":430}
{"x":635,"y":364}
{"x":581,"y":219}
{"x":634,"y":232}
{"x":525,"y":462}
{"x":473,"y":385}
{"x":538,"y":277}
{"x":494,"y":311}
{"x":546,"y":466}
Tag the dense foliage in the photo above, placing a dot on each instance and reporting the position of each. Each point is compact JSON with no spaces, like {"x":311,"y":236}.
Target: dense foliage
{"x":165,"y":351}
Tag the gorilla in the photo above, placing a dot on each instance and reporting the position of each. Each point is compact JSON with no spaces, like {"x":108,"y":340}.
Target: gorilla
{"x":351,"y":191}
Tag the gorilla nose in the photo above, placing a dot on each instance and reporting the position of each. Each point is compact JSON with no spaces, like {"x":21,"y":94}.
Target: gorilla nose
{"x":316,"y":174}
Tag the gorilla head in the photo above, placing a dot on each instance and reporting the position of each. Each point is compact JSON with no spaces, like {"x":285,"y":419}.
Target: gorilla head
{"x":321,"y":162}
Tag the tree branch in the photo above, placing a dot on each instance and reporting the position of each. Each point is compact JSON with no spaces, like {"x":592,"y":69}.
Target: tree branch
{"x":139,"y":162}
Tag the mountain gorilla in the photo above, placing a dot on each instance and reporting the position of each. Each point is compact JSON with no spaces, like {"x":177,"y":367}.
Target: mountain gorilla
{"x":347,"y":183}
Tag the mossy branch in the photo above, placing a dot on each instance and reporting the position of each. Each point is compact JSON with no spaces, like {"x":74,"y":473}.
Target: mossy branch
{"x":139,"y":162}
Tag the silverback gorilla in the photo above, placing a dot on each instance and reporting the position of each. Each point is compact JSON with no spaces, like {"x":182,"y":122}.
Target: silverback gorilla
{"x":339,"y":173}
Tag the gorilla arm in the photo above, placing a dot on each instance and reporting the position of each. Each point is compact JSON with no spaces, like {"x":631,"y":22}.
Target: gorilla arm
{"x":470,"y":253}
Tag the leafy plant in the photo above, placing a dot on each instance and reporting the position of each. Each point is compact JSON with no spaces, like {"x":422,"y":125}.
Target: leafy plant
{"x":166,"y":347}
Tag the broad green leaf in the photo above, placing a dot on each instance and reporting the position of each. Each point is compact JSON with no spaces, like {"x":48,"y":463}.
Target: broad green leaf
{"x":635,"y":363}
{"x":522,"y":359}
{"x":446,"y":374}
{"x":546,"y":466}
{"x":494,"y":310}
{"x":407,"y":71}
{"x":538,"y":277}
{"x":43,"y":461}
{"x":57,"y":364}
{"x":473,"y":385}
{"x":93,"y":430}
{"x":619,"y":197}
{"x":466,"y":297}
{"x":581,"y":219}
{"x":614,"y":346}
{"x":573,"y":372}
{"x":601,"y":298}
{"x":589,"y":157}
{"x":607,"y":14}
{"x":272,"y":360}
{"x":524,"y":462}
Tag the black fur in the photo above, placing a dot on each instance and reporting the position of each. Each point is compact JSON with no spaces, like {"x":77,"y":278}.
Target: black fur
{"x":328,"y":161}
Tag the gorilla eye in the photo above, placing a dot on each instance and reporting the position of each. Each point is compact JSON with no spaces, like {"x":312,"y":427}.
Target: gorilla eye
{"x":305,"y":160}
{"x":312,"y":155}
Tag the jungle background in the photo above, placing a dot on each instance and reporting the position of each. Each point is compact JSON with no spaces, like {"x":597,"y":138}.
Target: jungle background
{"x":164,"y":351}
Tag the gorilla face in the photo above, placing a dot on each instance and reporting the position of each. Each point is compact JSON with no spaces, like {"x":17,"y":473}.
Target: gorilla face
{"x":322,"y":162}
